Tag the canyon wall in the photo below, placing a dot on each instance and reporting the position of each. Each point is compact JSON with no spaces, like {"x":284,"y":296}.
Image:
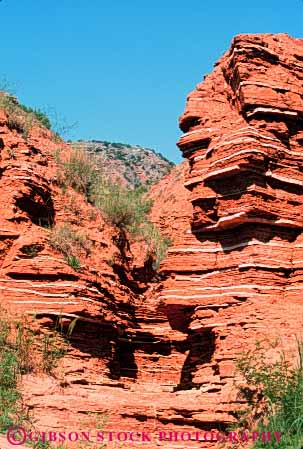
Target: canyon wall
{"x":236,"y":276}
{"x":164,"y":359}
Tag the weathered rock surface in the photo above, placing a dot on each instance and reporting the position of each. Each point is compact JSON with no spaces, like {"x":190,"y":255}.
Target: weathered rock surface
{"x":172,"y":210}
{"x":123,"y":360}
{"x":166,"y":361}
{"x":236,"y":276}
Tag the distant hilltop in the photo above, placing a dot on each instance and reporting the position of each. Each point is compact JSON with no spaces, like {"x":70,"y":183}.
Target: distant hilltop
{"x":133,"y":165}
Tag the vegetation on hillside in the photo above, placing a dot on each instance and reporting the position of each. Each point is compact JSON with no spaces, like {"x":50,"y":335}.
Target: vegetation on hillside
{"x":126,"y":209}
{"x":274,"y":395}
{"x":135,"y":165}
{"x":127,"y":145}
{"x":70,"y":243}
{"x":40,"y":116}
{"x":23,"y":351}
{"x":21,"y":117}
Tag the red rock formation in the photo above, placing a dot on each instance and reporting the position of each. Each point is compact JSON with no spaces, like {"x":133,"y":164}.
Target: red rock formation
{"x":237,"y":274}
{"x":31,"y":202}
{"x":165,"y":361}
{"x":172,"y":209}
{"x":123,"y":360}
{"x":37,"y":280}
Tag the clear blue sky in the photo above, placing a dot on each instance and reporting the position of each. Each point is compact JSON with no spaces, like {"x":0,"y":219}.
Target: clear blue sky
{"x":122,"y":68}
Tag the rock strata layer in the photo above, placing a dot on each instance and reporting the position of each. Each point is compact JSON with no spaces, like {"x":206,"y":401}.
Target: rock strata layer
{"x":165,"y":360}
{"x":235,"y":276}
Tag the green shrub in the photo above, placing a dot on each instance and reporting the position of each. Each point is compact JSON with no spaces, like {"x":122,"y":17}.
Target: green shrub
{"x":15,"y":359}
{"x":280,"y":389}
{"x":123,"y":207}
{"x":9,"y":394}
{"x":119,"y":155}
{"x":128,"y":210}
{"x":73,"y":262}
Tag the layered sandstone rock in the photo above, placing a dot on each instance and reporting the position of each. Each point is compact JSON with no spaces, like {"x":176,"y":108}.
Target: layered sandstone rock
{"x":166,"y":361}
{"x":122,"y":360}
{"x":37,"y":281}
{"x":237,"y":274}
{"x":172,"y":209}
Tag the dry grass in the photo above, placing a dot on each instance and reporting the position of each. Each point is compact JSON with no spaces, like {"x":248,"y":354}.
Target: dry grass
{"x":70,"y":243}
{"x":21,"y":118}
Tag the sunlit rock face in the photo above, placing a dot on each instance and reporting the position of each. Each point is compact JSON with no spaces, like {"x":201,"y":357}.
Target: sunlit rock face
{"x":236,"y":274}
{"x":243,"y":137}
{"x":164,"y":360}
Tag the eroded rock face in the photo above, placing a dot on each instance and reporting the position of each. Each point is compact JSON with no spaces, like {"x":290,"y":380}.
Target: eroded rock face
{"x":165,"y":361}
{"x":236,"y":277}
{"x":123,"y":360}
{"x":243,"y":136}
{"x":36,"y":280}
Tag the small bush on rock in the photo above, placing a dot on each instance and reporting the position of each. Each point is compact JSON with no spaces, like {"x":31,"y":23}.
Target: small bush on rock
{"x":73,"y":262}
{"x":70,"y":243}
{"x":125,"y":208}
{"x":157,"y":244}
{"x":20,"y":117}
{"x":274,"y":395}
{"x":78,"y":170}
